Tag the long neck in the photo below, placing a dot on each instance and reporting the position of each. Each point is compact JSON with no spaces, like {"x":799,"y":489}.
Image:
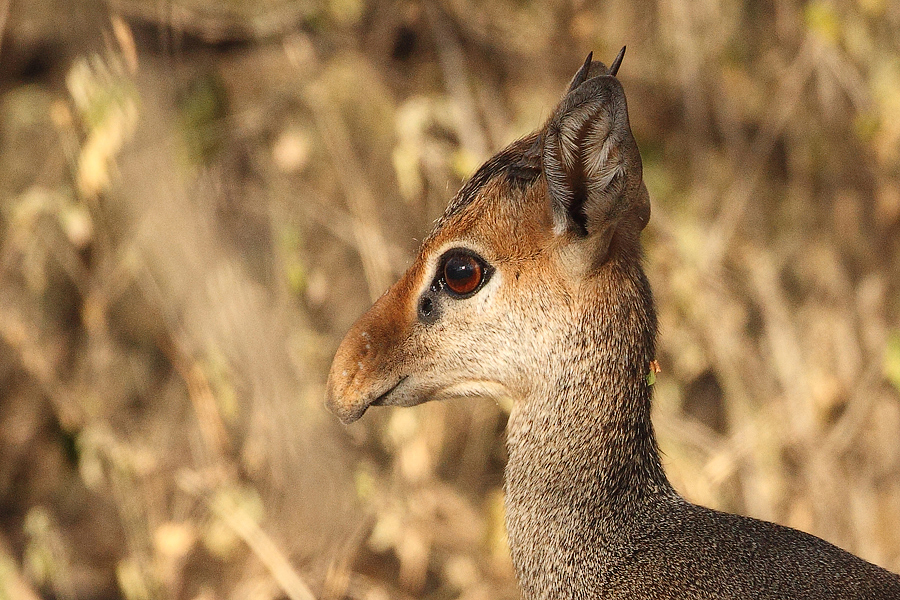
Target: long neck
{"x":583,"y":464}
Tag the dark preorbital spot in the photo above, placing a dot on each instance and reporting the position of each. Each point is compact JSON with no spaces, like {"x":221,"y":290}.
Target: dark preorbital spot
{"x":426,"y":307}
{"x":429,"y":309}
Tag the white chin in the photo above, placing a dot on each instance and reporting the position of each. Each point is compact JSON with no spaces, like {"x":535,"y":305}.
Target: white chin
{"x":411,"y":393}
{"x":475,"y":389}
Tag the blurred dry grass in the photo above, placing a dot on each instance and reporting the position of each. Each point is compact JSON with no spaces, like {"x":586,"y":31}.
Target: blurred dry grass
{"x":198,"y":198}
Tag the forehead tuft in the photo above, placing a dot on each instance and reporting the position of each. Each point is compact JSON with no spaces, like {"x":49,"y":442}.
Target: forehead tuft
{"x":518,"y":165}
{"x":502,"y":211}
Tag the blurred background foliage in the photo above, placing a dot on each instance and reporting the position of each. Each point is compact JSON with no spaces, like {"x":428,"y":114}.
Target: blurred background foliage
{"x":197,"y":199}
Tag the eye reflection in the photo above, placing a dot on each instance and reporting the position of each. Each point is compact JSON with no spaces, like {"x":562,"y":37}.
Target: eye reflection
{"x":463,"y":273}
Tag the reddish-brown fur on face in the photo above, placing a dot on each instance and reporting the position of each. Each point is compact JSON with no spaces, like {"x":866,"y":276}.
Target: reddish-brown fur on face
{"x":379,"y":351}
{"x":511,"y":226}
{"x":365,"y":366}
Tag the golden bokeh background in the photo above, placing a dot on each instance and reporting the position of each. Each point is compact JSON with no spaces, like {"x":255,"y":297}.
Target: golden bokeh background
{"x":197,"y":199}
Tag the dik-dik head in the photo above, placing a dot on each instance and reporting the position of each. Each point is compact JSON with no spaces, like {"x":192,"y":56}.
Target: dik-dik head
{"x":511,"y":268}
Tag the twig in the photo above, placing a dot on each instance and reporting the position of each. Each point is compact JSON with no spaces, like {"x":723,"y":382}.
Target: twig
{"x":4,"y":13}
{"x":453,"y":65}
{"x":256,"y":539}
{"x":337,"y":222}
{"x":13,"y":585}
{"x":218,"y":25}
{"x":32,"y":355}
{"x":360,"y":198}
{"x":862,"y":401}
{"x":783,"y":341}
{"x":212,"y":428}
{"x":737,"y":198}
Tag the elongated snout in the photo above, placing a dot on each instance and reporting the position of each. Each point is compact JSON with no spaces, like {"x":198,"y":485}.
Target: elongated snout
{"x":369,"y":362}
{"x":343,"y":396}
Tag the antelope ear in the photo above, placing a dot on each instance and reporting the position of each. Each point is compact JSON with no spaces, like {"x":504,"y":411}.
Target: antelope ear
{"x":591,"y":161}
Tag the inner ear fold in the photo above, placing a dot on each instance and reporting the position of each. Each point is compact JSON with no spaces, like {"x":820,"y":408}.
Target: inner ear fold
{"x":589,"y":157}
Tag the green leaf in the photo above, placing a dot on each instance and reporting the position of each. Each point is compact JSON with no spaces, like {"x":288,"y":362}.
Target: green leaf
{"x":892,"y":360}
{"x":823,"y":21}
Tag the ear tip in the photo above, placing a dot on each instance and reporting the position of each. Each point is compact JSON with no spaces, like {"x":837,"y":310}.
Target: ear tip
{"x":591,"y":69}
{"x":617,"y":62}
{"x":583,"y":73}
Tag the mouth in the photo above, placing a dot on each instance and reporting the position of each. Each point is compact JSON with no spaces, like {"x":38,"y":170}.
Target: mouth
{"x":410,"y":392}
{"x":382,"y":400}
{"x":349,"y":412}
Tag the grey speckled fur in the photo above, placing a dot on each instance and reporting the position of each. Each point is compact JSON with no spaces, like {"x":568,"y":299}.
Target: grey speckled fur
{"x":590,"y":512}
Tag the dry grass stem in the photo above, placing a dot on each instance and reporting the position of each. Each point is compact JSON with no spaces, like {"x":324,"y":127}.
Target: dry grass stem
{"x":259,"y":542}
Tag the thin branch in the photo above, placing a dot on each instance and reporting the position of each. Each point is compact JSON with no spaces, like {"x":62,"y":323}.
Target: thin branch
{"x":742,"y":190}
{"x":4,"y":13}
{"x":453,"y":65}
{"x":256,"y":539}
{"x":13,"y":585}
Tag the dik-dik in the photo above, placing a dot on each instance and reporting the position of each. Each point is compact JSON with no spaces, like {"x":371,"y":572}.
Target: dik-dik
{"x":531,"y":287}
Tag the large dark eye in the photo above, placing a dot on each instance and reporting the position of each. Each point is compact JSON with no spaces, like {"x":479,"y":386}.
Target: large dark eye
{"x":463,"y":273}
